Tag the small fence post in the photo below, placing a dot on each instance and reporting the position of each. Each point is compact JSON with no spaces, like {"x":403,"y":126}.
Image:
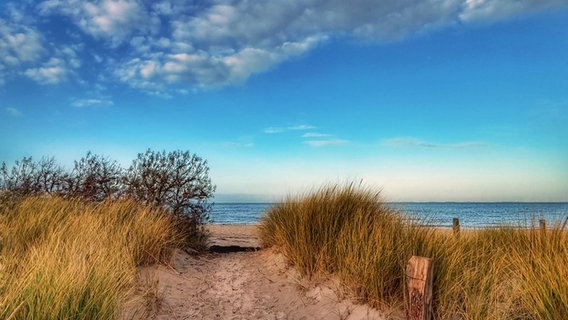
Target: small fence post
{"x":419,"y":274}
{"x":456,"y":227}
{"x":542,"y":225}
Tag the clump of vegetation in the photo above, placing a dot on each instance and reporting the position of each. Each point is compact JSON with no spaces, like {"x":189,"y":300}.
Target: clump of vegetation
{"x":177,"y":182}
{"x":497,"y":273}
{"x":71,"y":259}
{"x":70,"y":241}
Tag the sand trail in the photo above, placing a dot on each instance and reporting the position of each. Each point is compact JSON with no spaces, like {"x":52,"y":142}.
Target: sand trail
{"x":239,"y":285}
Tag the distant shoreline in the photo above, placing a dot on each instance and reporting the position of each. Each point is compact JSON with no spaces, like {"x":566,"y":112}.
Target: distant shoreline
{"x":437,"y":214}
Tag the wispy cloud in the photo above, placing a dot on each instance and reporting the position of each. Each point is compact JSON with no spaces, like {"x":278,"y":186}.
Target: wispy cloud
{"x":495,"y":9}
{"x":318,"y":139}
{"x":314,"y":139}
{"x":326,"y":142}
{"x":14,"y":112}
{"x":53,"y":71}
{"x":84,"y":103}
{"x":19,"y":45}
{"x":301,"y":127}
{"x":315,"y":135}
{"x":272,"y":130}
{"x":415,"y":142}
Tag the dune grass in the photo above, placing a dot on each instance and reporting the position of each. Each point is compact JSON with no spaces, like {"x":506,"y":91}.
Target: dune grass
{"x":67,"y":259}
{"x":494,"y":273}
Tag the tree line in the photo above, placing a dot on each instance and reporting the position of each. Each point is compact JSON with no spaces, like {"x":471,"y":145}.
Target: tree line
{"x":176,"y":181}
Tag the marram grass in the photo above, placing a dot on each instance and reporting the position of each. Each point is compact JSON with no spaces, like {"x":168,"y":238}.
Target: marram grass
{"x":494,"y":273}
{"x":66,"y":259}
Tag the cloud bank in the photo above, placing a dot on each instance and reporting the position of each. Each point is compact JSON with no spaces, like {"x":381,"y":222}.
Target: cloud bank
{"x":415,"y":142}
{"x":167,"y":46}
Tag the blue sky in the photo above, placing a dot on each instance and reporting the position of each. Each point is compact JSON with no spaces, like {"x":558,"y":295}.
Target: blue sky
{"x":435,"y":100}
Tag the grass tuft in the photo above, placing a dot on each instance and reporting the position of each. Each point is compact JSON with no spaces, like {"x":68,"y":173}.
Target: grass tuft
{"x":67,"y":259}
{"x":493,"y":273}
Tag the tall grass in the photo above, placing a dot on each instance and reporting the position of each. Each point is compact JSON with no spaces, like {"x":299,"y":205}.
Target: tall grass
{"x":497,"y":273}
{"x":67,"y":259}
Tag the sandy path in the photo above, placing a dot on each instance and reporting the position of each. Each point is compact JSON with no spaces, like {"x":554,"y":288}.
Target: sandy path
{"x":243,"y":285}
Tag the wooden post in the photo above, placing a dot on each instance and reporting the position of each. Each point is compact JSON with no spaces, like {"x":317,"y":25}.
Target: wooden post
{"x":456,"y":226}
{"x":542,"y":225}
{"x":419,"y":274}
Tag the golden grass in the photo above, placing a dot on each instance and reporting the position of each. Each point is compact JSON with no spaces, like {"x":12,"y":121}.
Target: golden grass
{"x":496,"y":273}
{"x":67,"y":259}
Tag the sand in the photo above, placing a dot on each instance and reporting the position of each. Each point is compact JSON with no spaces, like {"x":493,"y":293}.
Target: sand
{"x":238,"y":285}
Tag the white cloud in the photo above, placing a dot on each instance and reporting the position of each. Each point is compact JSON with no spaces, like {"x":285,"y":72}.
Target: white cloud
{"x":315,"y":135}
{"x":24,"y":50}
{"x":202,"y":68}
{"x":83,"y":103}
{"x":326,"y":142}
{"x":164,"y":8}
{"x":301,"y":127}
{"x":19,"y":44}
{"x":318,"y":139}
{"x":165,"y":46}
{"x":415,"y":142}
{"x":314,"y":139}
{"x":227,"y":41}
{"x":271,"y":130}
{"x":110,"y":20}
{"x":53,"y":71}
{"x":495,"y":9}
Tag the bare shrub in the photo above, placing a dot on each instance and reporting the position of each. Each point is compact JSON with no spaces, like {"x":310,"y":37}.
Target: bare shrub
{"x":95,"y":178}
{"x":177,"y":181}
{"x":28,"y":178}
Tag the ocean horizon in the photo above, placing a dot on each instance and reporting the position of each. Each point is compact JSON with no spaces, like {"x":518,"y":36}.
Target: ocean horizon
{"x":440,"y":214}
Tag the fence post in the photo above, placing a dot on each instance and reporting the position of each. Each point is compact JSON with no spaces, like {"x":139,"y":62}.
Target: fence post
{"x":542,"y":225}
{"x":456,"y":227}
{"x":419,"y":274}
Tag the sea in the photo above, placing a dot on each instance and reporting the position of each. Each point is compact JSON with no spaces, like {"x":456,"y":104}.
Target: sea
{"x":440,"y":214}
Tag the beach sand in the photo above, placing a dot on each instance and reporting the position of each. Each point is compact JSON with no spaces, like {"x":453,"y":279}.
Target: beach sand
{"x":238,"y":285}
{"x":234,"y":234}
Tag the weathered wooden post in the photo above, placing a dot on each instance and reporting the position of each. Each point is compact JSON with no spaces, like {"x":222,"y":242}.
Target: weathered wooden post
{"x":456,"y":227}
{"x":542,"y":226}
{"x":419,"y":274}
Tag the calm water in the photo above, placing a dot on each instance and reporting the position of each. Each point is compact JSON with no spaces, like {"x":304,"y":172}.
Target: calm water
{"x":471,"y":214}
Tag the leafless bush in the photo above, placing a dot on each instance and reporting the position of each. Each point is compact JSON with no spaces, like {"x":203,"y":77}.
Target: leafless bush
{"x":96,"y":178}
{"x":28,"y":177}
{"x":177,"y":181}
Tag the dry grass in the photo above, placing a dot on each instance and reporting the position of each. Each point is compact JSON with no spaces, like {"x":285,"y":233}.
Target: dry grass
{"x":497,"y":273}
{"x":63,"y":259}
